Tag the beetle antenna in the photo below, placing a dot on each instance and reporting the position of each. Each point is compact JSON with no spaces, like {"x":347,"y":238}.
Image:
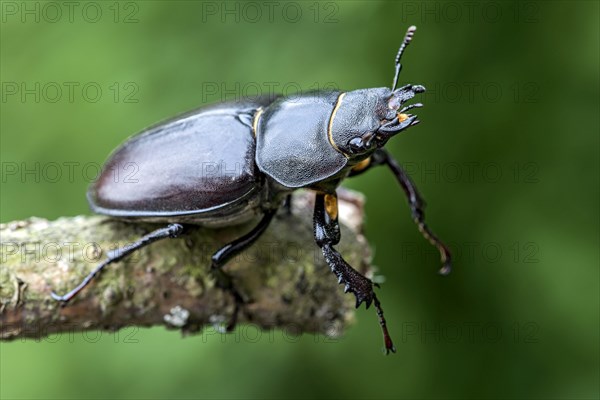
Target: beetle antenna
{"x":407,"y":38}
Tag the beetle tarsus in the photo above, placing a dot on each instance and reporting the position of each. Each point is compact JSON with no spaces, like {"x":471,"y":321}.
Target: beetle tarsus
{"x":387,"y":339}
{"x":446,"y":268}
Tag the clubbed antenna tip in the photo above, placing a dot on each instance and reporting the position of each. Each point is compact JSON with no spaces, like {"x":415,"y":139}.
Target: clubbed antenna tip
{"x":410,"y":32}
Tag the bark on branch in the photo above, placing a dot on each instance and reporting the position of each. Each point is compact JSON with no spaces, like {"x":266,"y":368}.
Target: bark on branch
{"x":283,"y":276}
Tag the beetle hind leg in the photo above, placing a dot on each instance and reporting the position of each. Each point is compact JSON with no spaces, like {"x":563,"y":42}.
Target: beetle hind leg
{"x":170,"y":231}
{"x":327,"y":235}
{"x":220,"y":257}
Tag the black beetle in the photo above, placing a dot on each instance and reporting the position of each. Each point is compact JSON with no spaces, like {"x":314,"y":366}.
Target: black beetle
{"x":263,"y":150}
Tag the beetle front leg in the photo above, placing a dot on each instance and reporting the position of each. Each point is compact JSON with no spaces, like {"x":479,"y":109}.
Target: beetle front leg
{"x":225,"y":253}
{"x":417,"y":206}
{"x":327,"y":235}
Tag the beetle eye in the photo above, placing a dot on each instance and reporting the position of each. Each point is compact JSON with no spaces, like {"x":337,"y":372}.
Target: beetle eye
{"x":356,"y":145}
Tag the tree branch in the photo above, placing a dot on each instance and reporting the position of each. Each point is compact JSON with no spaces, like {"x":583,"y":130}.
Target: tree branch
{"x":282,"y":276}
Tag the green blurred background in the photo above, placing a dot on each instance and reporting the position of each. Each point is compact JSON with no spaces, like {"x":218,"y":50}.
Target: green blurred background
{"x":506,"y":156}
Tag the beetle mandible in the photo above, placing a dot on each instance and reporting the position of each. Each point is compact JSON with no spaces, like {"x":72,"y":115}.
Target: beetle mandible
{"x":312,"y":141}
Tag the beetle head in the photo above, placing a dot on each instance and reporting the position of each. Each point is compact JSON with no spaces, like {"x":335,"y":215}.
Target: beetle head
{"x":364,"y":120}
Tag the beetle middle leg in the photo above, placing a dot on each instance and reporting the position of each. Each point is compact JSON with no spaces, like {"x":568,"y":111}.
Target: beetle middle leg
{"x":170,"y":231}
{"x":287,"y":205}
{"x":415,"y":201}
{"x":225,"y":253}
{"x":327,"y":235}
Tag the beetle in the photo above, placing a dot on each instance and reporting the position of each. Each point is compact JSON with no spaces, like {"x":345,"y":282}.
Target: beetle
{"x":277,"y":145}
